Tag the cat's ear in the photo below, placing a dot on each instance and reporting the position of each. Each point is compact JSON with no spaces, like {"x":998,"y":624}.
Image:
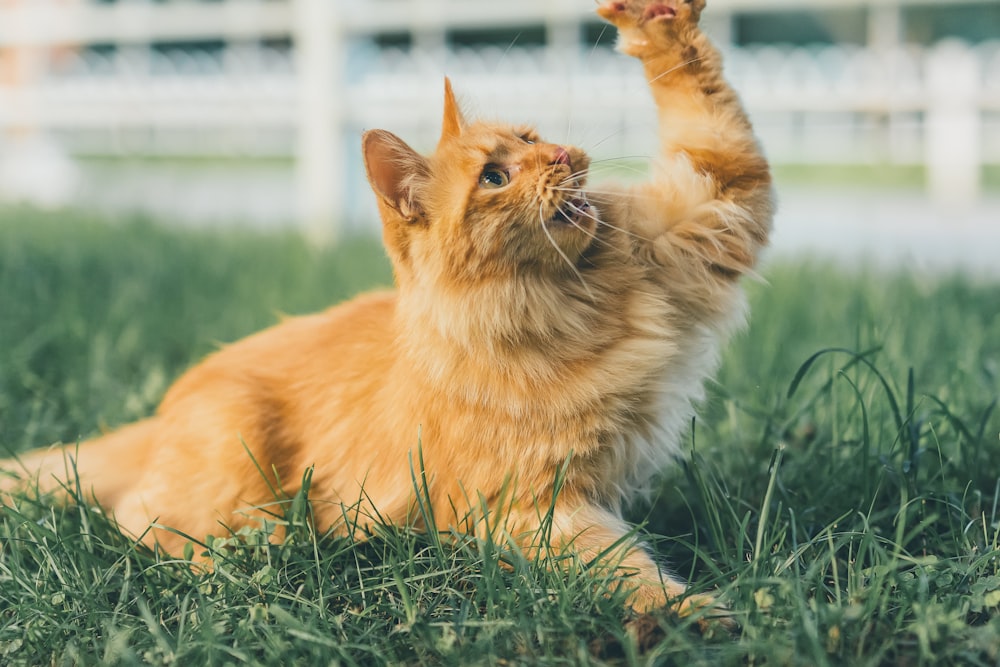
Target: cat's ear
{"x":395,"y":172}
{"x":453,"y":123}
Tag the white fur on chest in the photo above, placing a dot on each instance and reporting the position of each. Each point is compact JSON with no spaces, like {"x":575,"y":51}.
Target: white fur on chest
{"x":687,"y":357}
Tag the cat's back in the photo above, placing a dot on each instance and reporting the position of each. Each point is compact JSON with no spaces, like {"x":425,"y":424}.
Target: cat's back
{"x":305,"y":353}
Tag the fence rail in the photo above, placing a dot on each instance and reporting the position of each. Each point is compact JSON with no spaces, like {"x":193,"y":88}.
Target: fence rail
{"x":142,"y":21}
{"x":938,"y":106}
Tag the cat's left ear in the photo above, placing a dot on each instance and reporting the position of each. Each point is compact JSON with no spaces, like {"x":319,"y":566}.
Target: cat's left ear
{"x":396,"y":173}
{"x":453,"y":123}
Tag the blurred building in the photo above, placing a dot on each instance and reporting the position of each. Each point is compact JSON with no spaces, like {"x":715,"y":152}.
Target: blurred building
{"x":756,"y":22}
{"x":32,"y":165}
{"x":830,"y":81}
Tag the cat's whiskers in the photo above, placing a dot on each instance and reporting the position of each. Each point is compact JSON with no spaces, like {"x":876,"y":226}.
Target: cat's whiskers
{"x":606,"y":195}
{"x":584,"y":212}
{"x":588,"y":63}
{"x":607,"y":138}
{"x":622,"y":230}
{"x":612,"y":165}
{"x":675,"y":68}
{"x":574,"y":178}
{"x":569,"y":262}
{"x":604,"y":161}
{"x":618,"y":229}
{"x":581,"y":194}
{"x":573,"y":193}
{"x":594,"y":235}
{"x":596,"y":238}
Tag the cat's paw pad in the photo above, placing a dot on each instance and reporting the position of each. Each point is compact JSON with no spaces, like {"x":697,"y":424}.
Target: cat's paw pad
{"x":632,"y":13}
{"x":677,"y":12}
{"x":659,"y":11}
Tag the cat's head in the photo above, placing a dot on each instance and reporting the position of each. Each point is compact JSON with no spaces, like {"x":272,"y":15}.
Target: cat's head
{"x":492,"y":201}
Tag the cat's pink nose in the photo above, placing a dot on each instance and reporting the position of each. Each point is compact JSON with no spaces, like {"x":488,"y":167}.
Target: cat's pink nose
{"x":561,"y":157}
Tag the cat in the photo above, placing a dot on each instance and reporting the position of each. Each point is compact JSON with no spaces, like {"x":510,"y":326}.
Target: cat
{"x":536,"y":327}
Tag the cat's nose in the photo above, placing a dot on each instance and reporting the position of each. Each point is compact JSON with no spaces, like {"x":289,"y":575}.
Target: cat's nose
{"x":561,"y":156}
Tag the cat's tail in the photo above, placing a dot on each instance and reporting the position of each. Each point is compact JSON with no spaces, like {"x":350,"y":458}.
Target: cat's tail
{"x":101,"y":470}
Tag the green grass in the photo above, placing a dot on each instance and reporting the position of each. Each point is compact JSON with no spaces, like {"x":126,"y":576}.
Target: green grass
{"x":991,"y":176}
{"x":869,"y":176}
{"x":906,"y":177}
{"x":848,"y":508}
{"x":892,"y":176}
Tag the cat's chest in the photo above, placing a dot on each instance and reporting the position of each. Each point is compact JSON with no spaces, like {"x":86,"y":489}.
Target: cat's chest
{"x":612,"y":368}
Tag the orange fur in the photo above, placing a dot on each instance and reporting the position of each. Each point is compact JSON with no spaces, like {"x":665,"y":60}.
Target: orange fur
{"x":532,"y":323}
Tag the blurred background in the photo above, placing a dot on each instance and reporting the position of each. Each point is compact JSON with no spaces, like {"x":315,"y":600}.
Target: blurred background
{"x":882,"y":117}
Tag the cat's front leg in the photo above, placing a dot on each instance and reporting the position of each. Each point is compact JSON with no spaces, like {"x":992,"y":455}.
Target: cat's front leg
{"x":602,"y":539}
{"x":708,"y":206}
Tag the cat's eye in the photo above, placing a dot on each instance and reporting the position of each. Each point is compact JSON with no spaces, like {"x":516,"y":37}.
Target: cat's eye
{"x":493,"y":178}
{"x":528,"y":140}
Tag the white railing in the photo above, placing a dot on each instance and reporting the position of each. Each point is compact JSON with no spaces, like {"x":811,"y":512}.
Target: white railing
{"x":43,"y":22}
{"x":837,"y":104}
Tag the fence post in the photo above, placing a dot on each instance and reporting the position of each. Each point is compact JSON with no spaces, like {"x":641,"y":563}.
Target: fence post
{"x":562,"y":34}
{"x":885,"y":26}
{"x":428,"y":29}
{"x":953,"y":124}
{"x":319,"y":54}
{"x":33,"y":167}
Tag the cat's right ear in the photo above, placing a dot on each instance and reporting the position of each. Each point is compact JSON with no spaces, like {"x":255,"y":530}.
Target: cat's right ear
{"x":396,"y":173}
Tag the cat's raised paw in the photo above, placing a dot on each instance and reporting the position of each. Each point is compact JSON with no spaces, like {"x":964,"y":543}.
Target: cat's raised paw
{"x":635,"y":13}
{"x":647,"y":28}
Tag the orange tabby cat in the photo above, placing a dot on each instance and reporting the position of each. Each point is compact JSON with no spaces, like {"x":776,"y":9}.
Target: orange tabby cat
{"x":533,"y":323}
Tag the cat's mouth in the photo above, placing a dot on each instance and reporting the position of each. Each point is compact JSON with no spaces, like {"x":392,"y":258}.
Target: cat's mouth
{"x":573,"y":211}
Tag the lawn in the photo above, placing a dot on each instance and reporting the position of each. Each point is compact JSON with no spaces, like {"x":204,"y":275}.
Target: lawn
{"x":841,"y":488}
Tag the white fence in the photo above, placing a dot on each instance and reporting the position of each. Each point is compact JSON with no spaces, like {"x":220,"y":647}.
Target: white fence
{"x":939,"y":106}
